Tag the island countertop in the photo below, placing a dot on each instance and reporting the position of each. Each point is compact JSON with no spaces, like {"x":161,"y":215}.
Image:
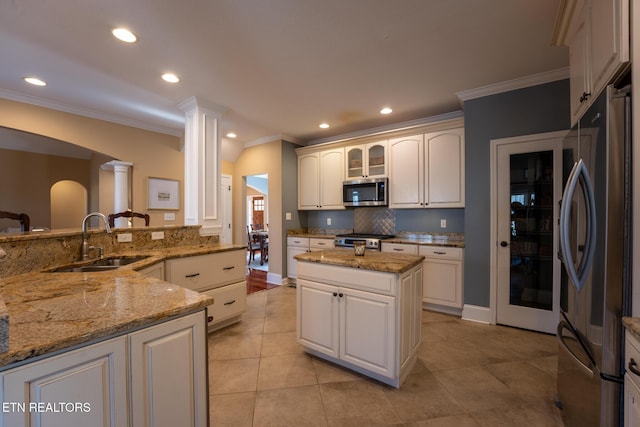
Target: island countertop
{"x":371,"y":260}
{"x":48,"y":312}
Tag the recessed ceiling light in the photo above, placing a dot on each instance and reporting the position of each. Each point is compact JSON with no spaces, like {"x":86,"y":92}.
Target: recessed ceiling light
{"x":324,"y":125}
{"x":386,"y":110}
{"x":231,"y":135}
{"x":124,"y":35}
{"x":170,"y":77}
{"x":35,"y":81}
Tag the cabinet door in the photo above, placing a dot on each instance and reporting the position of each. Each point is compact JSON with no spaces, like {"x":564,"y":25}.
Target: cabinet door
{"x":406,"y":172}
{"x":631,"y":403}
{"x":579,"y":67}
{"x":376,"y":159}
{"x":442,"y":282}
{"x":444,"y":175}
{"x":355,"y":163}
{"x":331,"y":178}
{"x":93,"y":377}
{"x":308,"y":181}
{"x":292,"y":263}
{"x":609,"y":40}
{"x":169,"y":373}
{"x":360,"y":314}
{"x":318,"y":317}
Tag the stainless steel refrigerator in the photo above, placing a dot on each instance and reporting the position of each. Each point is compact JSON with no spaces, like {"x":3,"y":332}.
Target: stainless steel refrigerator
{"x":595,"y":251}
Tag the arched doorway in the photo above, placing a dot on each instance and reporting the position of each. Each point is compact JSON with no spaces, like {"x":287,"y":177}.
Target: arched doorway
{"x":68,"y":204}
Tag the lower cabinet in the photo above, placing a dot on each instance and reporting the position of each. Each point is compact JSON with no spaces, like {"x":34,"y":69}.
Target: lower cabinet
{"x":376,"y":332}
{"x":442,"y":280}
{"x":632,"y":382}
{"x":153,"y":377}
{"x":221,"y":275}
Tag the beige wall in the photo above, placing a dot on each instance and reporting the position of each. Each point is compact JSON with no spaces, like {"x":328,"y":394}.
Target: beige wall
{"x":153,"y":154}
{"x":265,"y":158}
{"x":26,"y":178}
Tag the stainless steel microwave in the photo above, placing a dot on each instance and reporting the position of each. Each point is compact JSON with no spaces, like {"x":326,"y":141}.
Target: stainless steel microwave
{"x":366,"y":192}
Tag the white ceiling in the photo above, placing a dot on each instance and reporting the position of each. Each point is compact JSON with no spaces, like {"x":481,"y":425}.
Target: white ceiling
{"x":280,"y":67}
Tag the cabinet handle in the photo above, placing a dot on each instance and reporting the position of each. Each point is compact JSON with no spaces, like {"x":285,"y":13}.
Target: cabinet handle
{"x":229,"y":268}
{"x":210,"y":319}
{"x":229,"y":302}
{"x":192,"y":275}
{"x":439,"y":253}
{"x":398,"y":249}
{"x":633,"y":367}
{"x":585,"y":96}
{"x":321,"y":244}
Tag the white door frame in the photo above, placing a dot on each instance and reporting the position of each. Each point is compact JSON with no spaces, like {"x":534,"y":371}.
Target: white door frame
{"x":493,"y":200}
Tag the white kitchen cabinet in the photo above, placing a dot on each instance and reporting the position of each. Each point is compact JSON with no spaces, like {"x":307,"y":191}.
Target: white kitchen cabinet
{"x":632,"y":382}
{"x":300,"y":245}
{"x":168,"y":366}
{"x":156,"y":376}
{"x":442,"y":278}
{"x":399,"y":248}
{"x":597,"y":34}
{"x":366,"y":160}
{"x":155,"y":271}
{"x":367,"y":321}
{"x":95,"y":377}
{"x":427,"y":170}
{"x":320,"y":177}
{"x":221,"y":275}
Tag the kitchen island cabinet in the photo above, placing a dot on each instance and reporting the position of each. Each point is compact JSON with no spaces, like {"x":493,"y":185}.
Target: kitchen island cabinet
{"x":361,"y":312}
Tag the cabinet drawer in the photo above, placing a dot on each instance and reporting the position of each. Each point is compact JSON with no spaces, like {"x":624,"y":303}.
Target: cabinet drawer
{"x":319,"y":244}
{"x":400,"y":248}
{"x":302,"y":242}
{"x":230,"y":300}
{"x":355,"y":278}
{"x":632,"y":351}
{"x":206,"y":271}
{"x":441,"y":252}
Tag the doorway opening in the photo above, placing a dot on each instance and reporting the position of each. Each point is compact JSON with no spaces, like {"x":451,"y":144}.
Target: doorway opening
{"x":257,"y":221}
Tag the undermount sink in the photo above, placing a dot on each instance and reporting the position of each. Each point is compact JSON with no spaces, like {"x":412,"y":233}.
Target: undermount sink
{"x":102,"y":264}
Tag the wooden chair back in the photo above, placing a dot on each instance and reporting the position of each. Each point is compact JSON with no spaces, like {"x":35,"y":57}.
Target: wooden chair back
{"x":129,"y":214}
{"x":25,"y":222}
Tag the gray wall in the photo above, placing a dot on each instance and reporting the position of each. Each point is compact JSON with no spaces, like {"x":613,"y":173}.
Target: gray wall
{"x":289,"y":197}
{"x":537,"y":109}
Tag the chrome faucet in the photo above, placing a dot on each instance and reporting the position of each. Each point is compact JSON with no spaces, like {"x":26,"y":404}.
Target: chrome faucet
{"x":85,"y":240}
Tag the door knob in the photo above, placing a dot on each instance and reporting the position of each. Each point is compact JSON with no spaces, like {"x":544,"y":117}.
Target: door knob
{"x":504,"y":244}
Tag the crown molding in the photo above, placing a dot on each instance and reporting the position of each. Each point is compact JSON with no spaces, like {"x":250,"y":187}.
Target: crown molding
{"x":381,"y":130}
{"x":509,"y":85}
{"x":66,"y":108}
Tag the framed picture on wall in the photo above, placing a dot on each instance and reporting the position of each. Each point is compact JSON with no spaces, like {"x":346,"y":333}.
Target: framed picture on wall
{"x":163,"y":194}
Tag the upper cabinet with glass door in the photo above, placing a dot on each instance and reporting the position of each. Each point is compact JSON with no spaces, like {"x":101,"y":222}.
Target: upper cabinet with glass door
{"x":366,"y":160}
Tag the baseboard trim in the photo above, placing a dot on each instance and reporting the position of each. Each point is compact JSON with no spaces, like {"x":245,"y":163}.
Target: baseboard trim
{"x":476,"y":313}
{"x":275,"y":278}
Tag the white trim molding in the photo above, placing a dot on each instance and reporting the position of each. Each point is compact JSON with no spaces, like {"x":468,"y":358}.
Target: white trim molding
{"x":476,"y":313}
{"x":509,"y":85}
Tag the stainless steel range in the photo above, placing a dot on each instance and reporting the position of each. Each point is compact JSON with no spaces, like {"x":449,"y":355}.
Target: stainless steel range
{"x":372,"y":241}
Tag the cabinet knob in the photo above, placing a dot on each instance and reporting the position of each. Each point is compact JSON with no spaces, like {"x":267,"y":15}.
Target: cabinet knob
{"x":585,"y":96}
{"x":633,"y":367}
{"x":340,"y":295}
{"x":504,"y":244}
{"x":335,"y":294}
{"x":209,"y":318}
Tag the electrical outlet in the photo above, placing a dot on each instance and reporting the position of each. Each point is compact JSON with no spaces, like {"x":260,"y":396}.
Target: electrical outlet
{"x":328,"y":221}
{"x":443,"y":223}
{"x":287,"y":216}
{"x":157,"y":235}
{"x":169,"y":216}
{"x":125,"y":237}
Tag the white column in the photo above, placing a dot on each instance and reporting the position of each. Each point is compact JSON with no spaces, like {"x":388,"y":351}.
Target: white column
{"x":202,"y":165}
{"x":120,"y":189}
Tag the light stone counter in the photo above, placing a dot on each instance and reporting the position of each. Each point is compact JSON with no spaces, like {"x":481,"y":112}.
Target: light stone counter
{"x":632,"y":324}
{"x":371,"y":260}
{"x":48,"y":312}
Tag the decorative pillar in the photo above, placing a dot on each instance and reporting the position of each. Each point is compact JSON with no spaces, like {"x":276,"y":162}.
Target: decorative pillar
{"x":121,"y":196}
{"x":202,"y":165}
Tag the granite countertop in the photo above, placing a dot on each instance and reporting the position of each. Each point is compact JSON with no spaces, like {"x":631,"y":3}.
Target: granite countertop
{"x":48,"y":311}
{"x":427,"y":240}
{"x":632,"y":324}
{"x":371,"y":260}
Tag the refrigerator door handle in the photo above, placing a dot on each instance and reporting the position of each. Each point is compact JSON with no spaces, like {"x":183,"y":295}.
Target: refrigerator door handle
{"x":579,"y":175}
{"x":561,"y":339}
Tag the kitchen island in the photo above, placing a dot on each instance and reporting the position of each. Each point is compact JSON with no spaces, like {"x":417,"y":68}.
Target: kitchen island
{"x":361,"y":312}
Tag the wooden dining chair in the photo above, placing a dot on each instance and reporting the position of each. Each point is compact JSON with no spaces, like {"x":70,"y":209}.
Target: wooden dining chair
{"x":25,"y":222}
{"x":253,"y":245}
{"x":129,"y":214}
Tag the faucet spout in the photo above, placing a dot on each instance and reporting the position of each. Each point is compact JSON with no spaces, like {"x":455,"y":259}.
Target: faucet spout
{"x":85,"y":239}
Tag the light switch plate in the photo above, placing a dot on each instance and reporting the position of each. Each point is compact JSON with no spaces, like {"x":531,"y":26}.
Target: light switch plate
{"x":328,"y":221}
{"x":169,"y":216}
{"x":125,"y":237}
{"x":443,"y":223}
{"x":287,"y":216}
{"x":157,"y":235}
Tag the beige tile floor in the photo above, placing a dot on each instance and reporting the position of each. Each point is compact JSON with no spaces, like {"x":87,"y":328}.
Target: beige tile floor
{"x":467,"y":375}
